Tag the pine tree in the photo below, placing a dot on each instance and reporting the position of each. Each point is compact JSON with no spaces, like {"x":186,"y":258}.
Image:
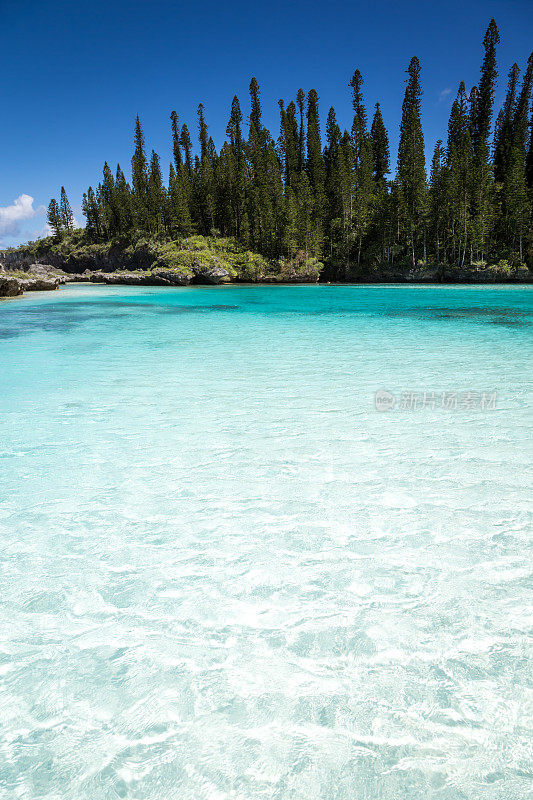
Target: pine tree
{"x":304,"y":223}
{"x":234,"y":127}
{"x":473,"y":110}
{"x":225,"y":180}
{"x":411,"y":175}
{"x":109,"y":202}
{"x":315,"y":161}
{"x":482,"y":210}
{"x":91,"y":212}
{"x":380,"y":147}
{"x":257,"y":200}
{"x":204,"y":184}
{"x":381,"y":168}
{"x":503,"y":134}
{"x":529,"y":157}
{"x":185,"y":142}
{"x":276,"y":202}
{"x":289,"y":143}
{"x":139,"y":177}
{"x":124,"y":201}
{"x":176,"y":149}
{"x":157,"y":196}
{"x":67,"y":218}
{"x":332,"y":139}
{"x":54,"y":217}
{"x":235,"y":168}
{"x":520,"y":116}
{"x":485,"y":95}
{"x":345,"y":202}
{"x":202,"y":132}
{"x":515,"y":207}
{"x":300,"y":100}
{"x":363,"y":199}
{"x":315,"y":170}
{"x":460,"y":176}
{"x":178,"y":213}
{"x":255,"y":113}
{"x":437,"y":198}
{"x":359,"y":120}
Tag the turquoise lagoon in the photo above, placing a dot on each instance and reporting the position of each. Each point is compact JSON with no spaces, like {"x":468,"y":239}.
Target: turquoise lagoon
{"x":225,"y":575}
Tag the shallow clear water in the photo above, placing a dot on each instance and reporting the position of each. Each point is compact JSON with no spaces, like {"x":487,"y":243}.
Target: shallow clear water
{"x":225,"y":574}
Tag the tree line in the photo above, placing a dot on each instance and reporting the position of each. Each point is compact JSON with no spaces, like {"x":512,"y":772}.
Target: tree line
{"x":334,"y":199}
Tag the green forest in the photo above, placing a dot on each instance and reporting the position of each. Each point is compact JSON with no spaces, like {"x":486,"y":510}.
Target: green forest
{"x":315,"y":193}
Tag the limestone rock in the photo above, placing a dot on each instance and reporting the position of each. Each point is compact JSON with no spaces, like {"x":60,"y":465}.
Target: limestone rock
{"x":9,"y":287}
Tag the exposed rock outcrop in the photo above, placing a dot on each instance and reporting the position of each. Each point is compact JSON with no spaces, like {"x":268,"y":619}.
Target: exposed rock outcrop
{"x":160,"y":277}
{"x":13,"y":286}
{"x":9,"y":287}
{"x":172,"y":277}
{"x":38,"y":283}
{"x":147,"y":278}
{"x":209,"y":275}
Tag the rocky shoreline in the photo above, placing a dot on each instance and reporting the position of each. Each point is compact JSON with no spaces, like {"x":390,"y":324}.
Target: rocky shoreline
{"x":45,"y":277}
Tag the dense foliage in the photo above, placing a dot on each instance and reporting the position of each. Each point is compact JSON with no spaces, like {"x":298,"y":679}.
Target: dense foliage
{"x":298,"y":196}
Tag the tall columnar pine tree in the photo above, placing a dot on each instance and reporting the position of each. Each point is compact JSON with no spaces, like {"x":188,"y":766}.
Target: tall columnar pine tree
{"x":255,"y":103}
{"x":516,"y":209}
{"x":185,"y":142}
{"x":263,"y":208}
{"x":363,"y":185}
{"x":331,"y":156}
{"x":503,"y":134}
{"x":520,"y":118}
{"x":157,"y":198}
{"x":124,"y":201}
{"x":529,"y":157}
{"x":179,"y":217}
{"x":315,"y":173}
{"x":483,"y":199}
{"x":110,"y":207}
{"x":411,"y":174}
{"x":288,"y":143}
{"x":380,"y":147}
{"x":91,"y":212}
{"x":53,"y":217}
{"x":529,"y":183}
{"x":437,"y":199}
{"x":381,"y":168}
{"x":204,"y":183}
{"x":300,"y":101}
{"x":176,"y":148}
{"x":139,"y":178}
{"x":235,"y":168}
{"x":487,"y":83}
{"x":67,"y":218}
{"x":459,"y":176}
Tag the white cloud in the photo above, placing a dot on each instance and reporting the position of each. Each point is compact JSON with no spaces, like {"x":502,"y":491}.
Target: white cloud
{"x":20,"y":210}
{"x":444,"y":94}
{"x":46,"y":230}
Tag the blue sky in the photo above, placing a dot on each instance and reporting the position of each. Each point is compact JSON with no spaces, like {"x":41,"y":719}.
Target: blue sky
{"x":76,"y":73}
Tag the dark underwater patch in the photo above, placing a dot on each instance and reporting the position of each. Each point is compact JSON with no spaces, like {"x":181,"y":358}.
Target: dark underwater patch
{"x":495,"y":315}
{"x":63,"y":317}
